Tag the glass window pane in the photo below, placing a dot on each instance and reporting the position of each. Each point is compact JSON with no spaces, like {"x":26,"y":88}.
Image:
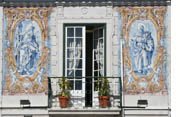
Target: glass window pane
{"x":70,"y":42}
{"x":78,"y":53}
{"x":95,"y":65}
{"x":71,"y":84}
{"x":101,"y":72}
{"x":78,"y":73}
{"x":70,"y":32}
{"x":70,"y":63}
{"x":78,"y":85}
{"x":70,"y":53}
{"x":71,"y":77}
{"x":78,"y":32}
{"x":95,"y":44}
{"x":78,"y":42}
{"x":78,"y":63}
{"x":101,"y":43}
{"x":96,"y":73}
{"x":70,"y":73}
{"x":96,"y":53}
{"x":101,"y":63}
{"x":101,"y":55}
{"x":100,"y":33}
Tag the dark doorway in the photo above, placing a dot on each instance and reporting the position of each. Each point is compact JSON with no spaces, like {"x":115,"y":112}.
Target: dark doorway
{"x":89,"y":51}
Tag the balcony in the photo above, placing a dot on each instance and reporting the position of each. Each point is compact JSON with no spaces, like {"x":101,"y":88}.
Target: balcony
{"x":84,"y":95}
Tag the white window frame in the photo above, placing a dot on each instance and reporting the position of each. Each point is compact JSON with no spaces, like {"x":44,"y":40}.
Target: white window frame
{"x":95,"y":93}
{"x":77,"y":93}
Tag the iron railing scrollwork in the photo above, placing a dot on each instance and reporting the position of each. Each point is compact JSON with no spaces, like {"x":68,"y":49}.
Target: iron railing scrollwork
{"x":91,"y":88}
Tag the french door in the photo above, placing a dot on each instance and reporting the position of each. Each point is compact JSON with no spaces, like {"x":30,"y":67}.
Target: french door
{"x":98,"y":60}
{"x":78,"y":42}
{"x":75,"y":62}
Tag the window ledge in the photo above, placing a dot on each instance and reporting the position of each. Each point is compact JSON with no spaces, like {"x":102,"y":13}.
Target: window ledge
{"x":83,"y":111}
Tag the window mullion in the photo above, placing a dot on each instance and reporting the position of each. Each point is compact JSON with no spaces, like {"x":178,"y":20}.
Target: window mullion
{"x":66,"y":53}
{"x":74,"y":58}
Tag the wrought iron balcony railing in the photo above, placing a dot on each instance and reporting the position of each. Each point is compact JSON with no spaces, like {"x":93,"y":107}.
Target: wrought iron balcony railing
{"x":85,"y":92}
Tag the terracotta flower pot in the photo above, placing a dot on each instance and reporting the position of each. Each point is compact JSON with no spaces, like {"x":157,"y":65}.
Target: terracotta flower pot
{"x":63,"y":101}
{"x":104,"y":101}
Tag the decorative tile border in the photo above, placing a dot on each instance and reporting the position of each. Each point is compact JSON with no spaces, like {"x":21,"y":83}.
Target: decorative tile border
{"x":143,"y":49}
{"x":26,"y":51}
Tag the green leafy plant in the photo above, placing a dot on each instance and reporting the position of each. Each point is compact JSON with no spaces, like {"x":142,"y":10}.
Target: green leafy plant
{"x":104,"y":88}
{"x":64,"y":86}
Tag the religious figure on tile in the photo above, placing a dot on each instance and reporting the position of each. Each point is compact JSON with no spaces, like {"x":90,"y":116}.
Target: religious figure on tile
{"x":27,"y":50}
{"x":143,"y":48}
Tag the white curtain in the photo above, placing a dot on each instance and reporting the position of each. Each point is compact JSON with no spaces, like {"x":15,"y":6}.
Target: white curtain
{"x":74,"y":52}
{"x":99,"y":56}
{"x":78,"y":52}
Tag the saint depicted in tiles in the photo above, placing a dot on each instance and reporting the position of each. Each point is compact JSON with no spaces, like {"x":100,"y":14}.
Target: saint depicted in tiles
{"x":27,"y":46}
{"x":26,"y":51}
{"x":142,"y":49}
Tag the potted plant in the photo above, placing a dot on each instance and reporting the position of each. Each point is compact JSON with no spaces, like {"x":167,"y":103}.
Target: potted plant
{"x":104,"y":90}
{"x":64,"y":94}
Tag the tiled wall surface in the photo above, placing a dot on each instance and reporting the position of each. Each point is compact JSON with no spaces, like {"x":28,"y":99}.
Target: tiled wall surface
{"x":145,"y":50}
{"x":26,"y":51}
{"x":137,"y":49}
{"x":144,"y":38}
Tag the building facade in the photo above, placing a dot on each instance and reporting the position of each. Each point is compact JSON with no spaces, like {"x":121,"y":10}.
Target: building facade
{"x":127,"y":42}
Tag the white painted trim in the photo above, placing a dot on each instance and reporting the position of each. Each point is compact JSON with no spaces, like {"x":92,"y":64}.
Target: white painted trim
{"x":77,"y":93}
{"x":94,"y":111}
{"x":85,"y":113}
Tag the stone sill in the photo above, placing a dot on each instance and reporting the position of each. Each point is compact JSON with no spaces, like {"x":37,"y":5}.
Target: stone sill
{"x":84,"y":111}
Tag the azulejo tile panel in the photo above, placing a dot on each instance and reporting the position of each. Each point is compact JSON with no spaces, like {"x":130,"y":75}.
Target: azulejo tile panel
{"x":26,"y":51}
{"x":143,"y":50}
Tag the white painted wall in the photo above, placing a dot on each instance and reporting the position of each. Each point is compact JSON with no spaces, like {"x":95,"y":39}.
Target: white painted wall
{"x":35,"y":100}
